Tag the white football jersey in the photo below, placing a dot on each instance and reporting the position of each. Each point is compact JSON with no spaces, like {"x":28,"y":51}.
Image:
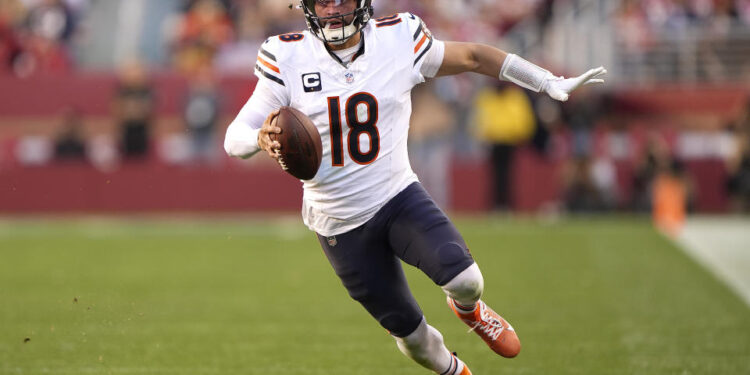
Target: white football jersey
{"x":362,"y":112}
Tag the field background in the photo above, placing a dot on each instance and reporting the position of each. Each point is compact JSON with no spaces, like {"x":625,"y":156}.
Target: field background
{"x":252,"y":296}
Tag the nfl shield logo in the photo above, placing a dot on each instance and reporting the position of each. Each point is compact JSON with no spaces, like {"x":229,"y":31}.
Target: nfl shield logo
{"x":332,"y":241}
{"x":349,"y":77}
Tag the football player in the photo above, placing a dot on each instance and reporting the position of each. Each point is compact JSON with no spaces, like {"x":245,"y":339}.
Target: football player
{"x":353,"y":75}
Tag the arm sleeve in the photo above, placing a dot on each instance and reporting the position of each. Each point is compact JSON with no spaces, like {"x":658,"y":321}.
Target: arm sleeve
{"x":242,"y":134}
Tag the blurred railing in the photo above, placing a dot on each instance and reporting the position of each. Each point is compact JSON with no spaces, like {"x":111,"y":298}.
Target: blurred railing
{"x":578,"y":35}
{"x":586,"y":33}
{"x":695,"y":54}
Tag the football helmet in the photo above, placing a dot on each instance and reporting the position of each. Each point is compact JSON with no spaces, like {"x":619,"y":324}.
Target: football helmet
{"x":362,"y":14}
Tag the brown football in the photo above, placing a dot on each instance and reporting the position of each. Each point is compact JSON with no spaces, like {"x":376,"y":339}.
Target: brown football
{"x":301,"y":147}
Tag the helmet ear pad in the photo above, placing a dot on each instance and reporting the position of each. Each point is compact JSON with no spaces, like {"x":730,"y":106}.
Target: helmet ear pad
{"x":362,"y":14}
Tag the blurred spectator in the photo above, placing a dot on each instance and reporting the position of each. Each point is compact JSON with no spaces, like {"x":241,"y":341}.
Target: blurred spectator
{"x":49,"y":27}
{"x":582,"y":113}
{"x":655,"y":158}
{"x":200,"y":34}
{"x":134,"y":110}
{"x":581,"y":192}
{"x":739,"y":176}
{"x":240,"y":56}
{"x":34,"y":150}
{"x":671,"y":197}
{"x":549,"y":119}
{"x":11,"y":12}
{"x":432,"y":122}
{"x":505,"y":119}
{"x":51,"y":20}
{"x":201,"y":112}
{"x":70,"y":145}
{"x":738,"y":165}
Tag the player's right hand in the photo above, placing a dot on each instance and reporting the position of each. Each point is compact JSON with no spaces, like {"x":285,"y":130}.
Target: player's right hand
{"x":264,"y":140}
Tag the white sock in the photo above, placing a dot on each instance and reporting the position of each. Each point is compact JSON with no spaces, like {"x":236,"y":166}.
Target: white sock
{"x":456,"y":367}
{"x":466,"y":288}
{"x":425,"y":346}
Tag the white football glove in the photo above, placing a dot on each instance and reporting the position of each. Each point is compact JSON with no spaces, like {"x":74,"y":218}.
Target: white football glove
{"x":559,"y":88}
{"x":533,"y":77}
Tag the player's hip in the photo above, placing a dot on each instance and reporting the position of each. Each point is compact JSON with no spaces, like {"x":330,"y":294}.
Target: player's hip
{"x":334,"y":209}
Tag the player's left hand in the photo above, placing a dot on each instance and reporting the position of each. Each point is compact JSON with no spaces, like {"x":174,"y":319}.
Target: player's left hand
{"x":559,"y":88}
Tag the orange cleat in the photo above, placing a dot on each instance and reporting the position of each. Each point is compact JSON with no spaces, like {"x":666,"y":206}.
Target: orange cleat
{"x":491,"y":327}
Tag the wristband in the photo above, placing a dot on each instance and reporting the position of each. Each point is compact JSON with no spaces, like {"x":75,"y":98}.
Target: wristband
{"x":524,"y":73}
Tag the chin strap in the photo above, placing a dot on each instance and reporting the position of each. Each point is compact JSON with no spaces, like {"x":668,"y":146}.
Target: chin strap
{"x":344,"y":33}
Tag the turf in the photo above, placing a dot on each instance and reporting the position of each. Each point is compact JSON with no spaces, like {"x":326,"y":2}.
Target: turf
{"x":595,"y":296}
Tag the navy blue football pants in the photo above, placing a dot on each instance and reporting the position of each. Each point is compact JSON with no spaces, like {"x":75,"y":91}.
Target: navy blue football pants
{"x":410,"y":227}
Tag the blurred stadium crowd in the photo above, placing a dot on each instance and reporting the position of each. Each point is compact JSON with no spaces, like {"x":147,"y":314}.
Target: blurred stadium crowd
{"x":43,"y":35}
{"x":606,"y":154}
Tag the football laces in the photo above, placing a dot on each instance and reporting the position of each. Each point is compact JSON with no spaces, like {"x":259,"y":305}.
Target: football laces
{"x":281,"y":160}
{"x":491,"y":327}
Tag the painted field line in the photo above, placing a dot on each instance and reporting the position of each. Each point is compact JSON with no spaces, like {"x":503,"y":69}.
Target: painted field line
{"x":721,"y":245}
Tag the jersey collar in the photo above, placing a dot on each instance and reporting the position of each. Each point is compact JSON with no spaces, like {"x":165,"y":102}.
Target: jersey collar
{"x":359,"y":53}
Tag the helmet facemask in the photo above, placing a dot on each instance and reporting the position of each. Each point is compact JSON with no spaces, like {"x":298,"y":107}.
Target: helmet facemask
{"x":361,"y":15}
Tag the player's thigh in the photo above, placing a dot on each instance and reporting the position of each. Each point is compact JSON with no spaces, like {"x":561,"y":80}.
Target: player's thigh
{"x":423,"y":236}
{"x":373,"y":276}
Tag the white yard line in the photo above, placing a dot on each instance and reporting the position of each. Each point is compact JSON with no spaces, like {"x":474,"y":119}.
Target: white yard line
{"x":722,"y":245}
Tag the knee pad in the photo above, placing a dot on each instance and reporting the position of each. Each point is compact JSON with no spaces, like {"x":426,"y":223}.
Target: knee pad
{"x":467,"y":286}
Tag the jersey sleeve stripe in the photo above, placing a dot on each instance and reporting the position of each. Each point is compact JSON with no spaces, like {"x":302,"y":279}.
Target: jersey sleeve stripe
{"x":268,"y":65}
{"x":268,"y":54}
{"x":419,"y":30}
{"x":421,"y":42}
{"x":388,"y":23}
{"x":391,"y":17}
{"x":421,"y":55}
{"x":269,"y":76}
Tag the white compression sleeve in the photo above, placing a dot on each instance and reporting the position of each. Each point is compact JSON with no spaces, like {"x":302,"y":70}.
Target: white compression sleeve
{"x":524,"y":73}
{"x":241,"y":139}
{"x":425,"y":346}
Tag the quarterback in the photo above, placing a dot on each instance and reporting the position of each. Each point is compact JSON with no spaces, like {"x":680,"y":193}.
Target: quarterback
{"x":353,"y":75}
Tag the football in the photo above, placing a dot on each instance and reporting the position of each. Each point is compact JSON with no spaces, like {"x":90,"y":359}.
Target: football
{"x":301,"y":147}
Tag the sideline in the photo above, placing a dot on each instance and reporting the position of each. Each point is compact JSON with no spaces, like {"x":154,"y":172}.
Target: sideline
{"x":721,"y":245}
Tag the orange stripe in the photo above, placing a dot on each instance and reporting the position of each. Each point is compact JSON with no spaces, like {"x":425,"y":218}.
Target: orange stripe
{"x":419,"y":45}
{"x":266,"y":63}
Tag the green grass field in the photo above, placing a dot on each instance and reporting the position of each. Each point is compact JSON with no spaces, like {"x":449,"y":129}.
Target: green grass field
{"x":594,"y":296}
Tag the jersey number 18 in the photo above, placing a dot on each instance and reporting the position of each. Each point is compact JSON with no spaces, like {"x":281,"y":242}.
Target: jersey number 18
{"x":357,"y":127}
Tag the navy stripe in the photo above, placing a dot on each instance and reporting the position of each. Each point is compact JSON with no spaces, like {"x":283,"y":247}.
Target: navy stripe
{"x":451,"y":369}
{"x":267,"y":54}
{"x":272,"y":78}
{"x":423,"y":52}
{"x":388,"y":23}
{"x":381,"y":19}
{"x":419,"y":30}
{"x":412,"y":16}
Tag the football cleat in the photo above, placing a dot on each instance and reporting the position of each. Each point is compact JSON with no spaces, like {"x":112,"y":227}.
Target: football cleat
{"x":491,"y":327}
